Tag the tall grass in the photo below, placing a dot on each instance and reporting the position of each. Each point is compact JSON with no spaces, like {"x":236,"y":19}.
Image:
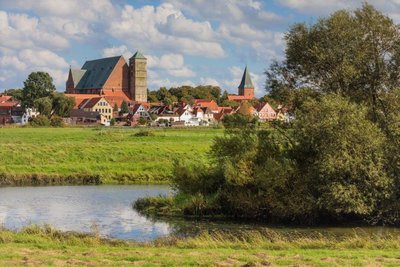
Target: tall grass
{"x":244,"y":239}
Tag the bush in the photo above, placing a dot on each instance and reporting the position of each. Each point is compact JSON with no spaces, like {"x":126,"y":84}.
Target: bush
{"x":40,"y":121}
{"x":144,"y":133}
{"x":112,"y":122}
{"x":57,"y":121}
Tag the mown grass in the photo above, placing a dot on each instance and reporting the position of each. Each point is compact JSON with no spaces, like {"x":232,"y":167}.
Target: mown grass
{"x":112,"y":156}
{"x":46,"y":246}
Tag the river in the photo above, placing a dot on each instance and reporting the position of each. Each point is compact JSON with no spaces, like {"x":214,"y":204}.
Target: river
{"x":107,"y":209}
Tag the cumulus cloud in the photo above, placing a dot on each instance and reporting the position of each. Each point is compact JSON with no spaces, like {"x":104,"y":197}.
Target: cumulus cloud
{"x":149,"y":28}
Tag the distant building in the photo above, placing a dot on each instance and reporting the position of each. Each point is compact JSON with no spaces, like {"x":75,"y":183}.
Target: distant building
{"x":100,"y":105}
{"x":265,"y":112}
{"x":111,"y":78}
{"x":245,"y":89}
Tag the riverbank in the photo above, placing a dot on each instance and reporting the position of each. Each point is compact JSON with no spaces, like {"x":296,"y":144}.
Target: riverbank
{"x":60,"y":156}
{"x":46,"y":246}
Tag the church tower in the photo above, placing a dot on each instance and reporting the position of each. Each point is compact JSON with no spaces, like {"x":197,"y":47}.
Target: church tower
{"x":246,"y":87}
{"x":138,"y":77}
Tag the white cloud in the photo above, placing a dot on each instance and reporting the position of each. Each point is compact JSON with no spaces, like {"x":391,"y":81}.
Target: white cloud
{"x":209,"y":81}
{"x":149,"y":28}
{"x":173,"y":64}
{"x":317,"y":7}
{"x":116,"y":51}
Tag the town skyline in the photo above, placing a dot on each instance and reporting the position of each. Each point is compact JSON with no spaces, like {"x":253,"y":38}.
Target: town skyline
{"x":184,"y":44}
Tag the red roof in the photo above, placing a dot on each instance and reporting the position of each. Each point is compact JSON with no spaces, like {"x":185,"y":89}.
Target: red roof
{"x":90,"y":103}
{"x":4,"y":98}
{"x":116,"y":97}
{"x":237,"y":98}
{"x":211,"y":104}
{"x":8,"y":104}
{"x":79,"y":98}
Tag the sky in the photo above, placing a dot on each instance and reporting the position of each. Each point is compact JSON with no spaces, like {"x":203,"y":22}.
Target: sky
{"x":196,"y":42}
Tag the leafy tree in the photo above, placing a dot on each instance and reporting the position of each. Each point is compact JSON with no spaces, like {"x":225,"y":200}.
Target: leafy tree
{"x":62,"y":105}
{"x":44,"y":106}
{"x":356,"y":54}
{"x":115,"y":109}
{"x":124,"y":108}
{"x":152,"y":97}
{"x":112,"y":122}
{"x":37,"y":85}
{"x":15,"y":93}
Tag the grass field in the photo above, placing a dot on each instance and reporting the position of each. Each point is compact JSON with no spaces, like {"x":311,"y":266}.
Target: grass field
{"x":45,"y":246}
{"x":59,"y":155}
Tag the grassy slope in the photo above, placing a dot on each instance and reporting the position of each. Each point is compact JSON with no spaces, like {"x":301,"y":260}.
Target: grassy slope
{"x":114,"y":154}
{"x":49,"y":247}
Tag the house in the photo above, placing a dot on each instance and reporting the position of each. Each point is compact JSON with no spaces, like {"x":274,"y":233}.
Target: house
{"x":136,"y":112}
{"x":159,"y":110}
{"x":184,"y":115}
{"x":100,"y":105}
{"x":206,"y":103}
{"x":265,"y":112}
{"x":83,"y":117}
{"x":111,"y":77}
{"x":245,"y":89}
{"x":7,"y":110}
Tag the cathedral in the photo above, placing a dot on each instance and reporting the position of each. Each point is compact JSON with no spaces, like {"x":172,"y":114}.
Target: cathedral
{"x":111,"y":78}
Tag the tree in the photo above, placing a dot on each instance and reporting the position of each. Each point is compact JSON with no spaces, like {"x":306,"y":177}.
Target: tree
{"x":37,"y":85}
{"x":115,"y":109}
{"x":62,"y":105}
{"x":124,"y":108}
{"x":15,"y":93}
{"x":44,"y":106}
{"x":356,"y":54}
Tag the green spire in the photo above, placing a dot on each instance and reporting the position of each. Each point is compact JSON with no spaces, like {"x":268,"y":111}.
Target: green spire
{"x":246,"y":80}
{"x":138,"y":55}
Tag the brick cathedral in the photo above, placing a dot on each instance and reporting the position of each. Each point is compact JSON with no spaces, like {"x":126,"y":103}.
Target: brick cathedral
{"x":110,"y":77}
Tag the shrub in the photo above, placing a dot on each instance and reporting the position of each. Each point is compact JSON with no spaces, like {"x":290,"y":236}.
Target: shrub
{"x":40,"y":121}
{"x":144,"y":133}
{"x":57,"y":121}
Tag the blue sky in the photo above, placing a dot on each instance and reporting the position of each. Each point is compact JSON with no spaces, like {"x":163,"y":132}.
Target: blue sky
{"x":186,"y":42}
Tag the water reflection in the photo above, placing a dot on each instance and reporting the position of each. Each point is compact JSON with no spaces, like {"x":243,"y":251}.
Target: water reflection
{"x":78,"y":208}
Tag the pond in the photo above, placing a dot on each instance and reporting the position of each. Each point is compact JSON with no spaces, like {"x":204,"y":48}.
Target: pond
{"x":108,"y":209}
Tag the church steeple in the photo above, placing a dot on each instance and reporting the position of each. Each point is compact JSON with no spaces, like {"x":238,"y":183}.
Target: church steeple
{"x":138,"y":77}
{"x":246,"y":87}
{"x":246,"y":80}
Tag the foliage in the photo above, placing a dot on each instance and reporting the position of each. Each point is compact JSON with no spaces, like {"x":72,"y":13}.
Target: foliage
{"x":355,"y":54}
{"x":56,"y":121}
{"x":40,"y":121}
{"x":37,"y":85}
{"x":124,"y":108}
{"x":142,"y":121}
{"x":144,"y":133}
{"x":15,"y":93}
{"x":112,"y":122}
{"x":329,"y":165}
{"x":43,"y":106}
{"x":62,"y":105}
{"x":185,"y":94}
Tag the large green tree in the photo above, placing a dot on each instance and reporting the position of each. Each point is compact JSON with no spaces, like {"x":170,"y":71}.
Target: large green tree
{"x":356,"y":54}
{"x":37,"y":85}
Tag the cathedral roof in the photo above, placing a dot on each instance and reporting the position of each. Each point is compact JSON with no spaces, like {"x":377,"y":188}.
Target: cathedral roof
{"x":96,"y":72}
{"x":77,"y":75}
{"x":137,"y":55}
{"x":246,"y":80}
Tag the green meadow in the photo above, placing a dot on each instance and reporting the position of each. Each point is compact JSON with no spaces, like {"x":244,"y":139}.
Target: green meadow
{"x":97,"y":155}
{"x":35,"y":246}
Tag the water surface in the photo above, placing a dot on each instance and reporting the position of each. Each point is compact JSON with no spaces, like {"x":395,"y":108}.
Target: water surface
{"x":82,"y":208}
